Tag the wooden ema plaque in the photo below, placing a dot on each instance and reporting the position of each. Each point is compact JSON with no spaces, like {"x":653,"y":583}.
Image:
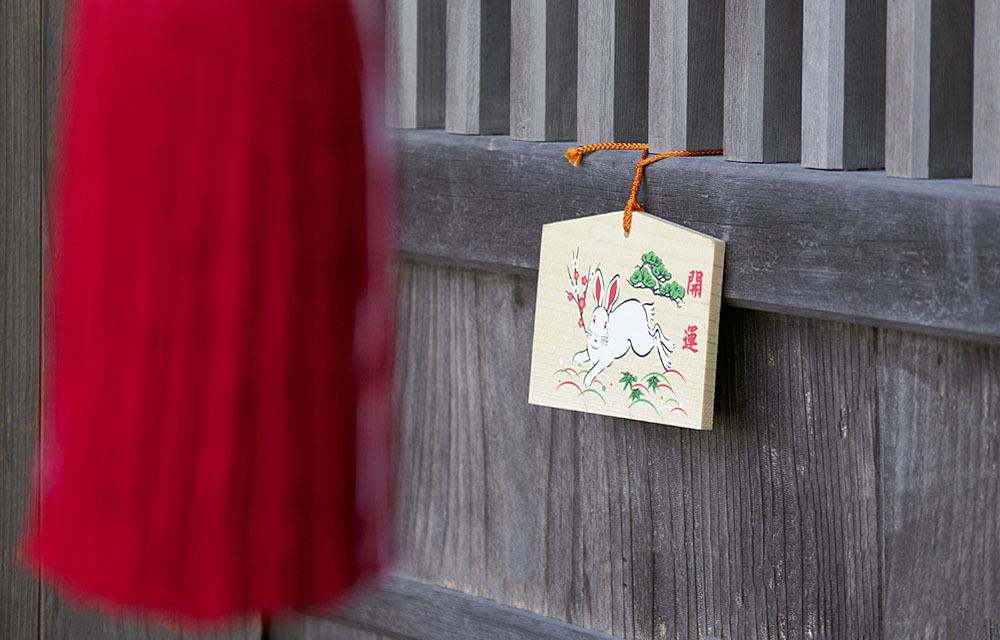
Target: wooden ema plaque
{"x":627,"y":326}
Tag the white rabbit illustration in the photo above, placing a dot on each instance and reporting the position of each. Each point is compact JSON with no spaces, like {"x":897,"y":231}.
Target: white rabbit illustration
{"x":613,"y":331}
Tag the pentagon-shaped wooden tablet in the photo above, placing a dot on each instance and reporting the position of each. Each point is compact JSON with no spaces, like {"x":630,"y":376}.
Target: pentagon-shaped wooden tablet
{"x":627,"y":326}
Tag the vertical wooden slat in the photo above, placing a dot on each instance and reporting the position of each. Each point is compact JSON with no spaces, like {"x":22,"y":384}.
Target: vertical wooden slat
{"x":843,"y":84}
{"x":939,"y":412}
{"x":929,"y":89}
{"x":415,"y":45}
{"x":763,"y":96}
{"x":477,"y":78}
{"x":612,"y":71}
{"x":543,"y":69}
{"x":986,"y":94}
{"x":686,"y":55}
{"x":20,"y":273}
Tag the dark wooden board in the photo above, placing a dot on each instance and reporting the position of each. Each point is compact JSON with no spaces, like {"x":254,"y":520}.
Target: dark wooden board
{"x":20,"y":284}
{"x":65,"y":619}
{"x":303,"y":627}
{"x":939,"y":421}
{"x":853,"y":246}
{"x":766,"y":526}
{"x":413,"y":610}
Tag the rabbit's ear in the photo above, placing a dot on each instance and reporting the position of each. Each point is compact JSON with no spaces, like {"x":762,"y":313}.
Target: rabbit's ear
{"x":612,"y":292}
{"x":598,"y":286}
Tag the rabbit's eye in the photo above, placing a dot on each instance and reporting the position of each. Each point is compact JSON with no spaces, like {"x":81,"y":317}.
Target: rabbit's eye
{"x":605,"y":325}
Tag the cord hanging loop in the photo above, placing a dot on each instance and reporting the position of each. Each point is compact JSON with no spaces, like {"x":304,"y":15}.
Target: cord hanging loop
{"x":575,"y":155}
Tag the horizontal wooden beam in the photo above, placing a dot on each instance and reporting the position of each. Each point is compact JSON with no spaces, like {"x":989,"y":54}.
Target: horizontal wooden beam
{"x":403,"y":608}
{"x":858,"y":247}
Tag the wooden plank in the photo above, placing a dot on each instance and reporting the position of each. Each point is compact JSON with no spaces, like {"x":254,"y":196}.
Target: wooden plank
{"x":852,"y":246}
{"x":939,"y":418}
{"x":612,"y":71}
{"x":763,"y":80}
{"x":929,"y":89}
{"x":413,"y":610}
{"x":20,"y":284}
{"x":303,"y":627}
{"x":843,"y":84}
{"x":415,"y":63}
{"x":543,"y":69}
{"x":766,"y":527}
{"x":477,"y":76}
{"x":986,"y":94}
{"x":67,"y":619}
{"x":686,"y":55}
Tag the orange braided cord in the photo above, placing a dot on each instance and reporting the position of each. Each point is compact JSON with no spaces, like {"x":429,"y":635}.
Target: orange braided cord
{"x":575,"y":154}
{"x":632,"y":204}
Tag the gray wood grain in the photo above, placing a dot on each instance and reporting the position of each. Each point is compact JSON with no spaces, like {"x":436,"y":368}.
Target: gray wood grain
{"x":765,"y":527}
{"x":403,"y":608}
{"x":853,"y":246}
{"x":543,"y":69}
{"x":939,"y":416}
{"x":64,"y":618}
{"x":843,"y":84}
{"x":54,"y":25}
{"x":763,"y":80}
{"x":20,"y":284}
{"x":477,"y":77}
{"x":304,"y":627}
{"x":686,"y":55}
{"x":929,"y":89}
{"x":612,"y":71}
{"x":67,"y":619}
{"x":415,"y":63}
{"x":986,"y":94}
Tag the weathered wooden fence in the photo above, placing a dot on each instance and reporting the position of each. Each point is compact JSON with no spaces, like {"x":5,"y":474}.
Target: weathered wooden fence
{"x":851,"y":485}
{"x":834,"y":84}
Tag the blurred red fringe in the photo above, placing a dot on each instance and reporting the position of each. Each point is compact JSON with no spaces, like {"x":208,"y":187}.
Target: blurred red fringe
{"x":218,"y":334}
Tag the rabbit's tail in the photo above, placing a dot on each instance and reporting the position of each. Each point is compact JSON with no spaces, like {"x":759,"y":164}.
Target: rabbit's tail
{"x":650,"y":311}
{"x":664,"y":347}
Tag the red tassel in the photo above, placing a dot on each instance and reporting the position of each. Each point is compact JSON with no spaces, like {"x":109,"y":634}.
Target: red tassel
{"x":213,"y":242}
